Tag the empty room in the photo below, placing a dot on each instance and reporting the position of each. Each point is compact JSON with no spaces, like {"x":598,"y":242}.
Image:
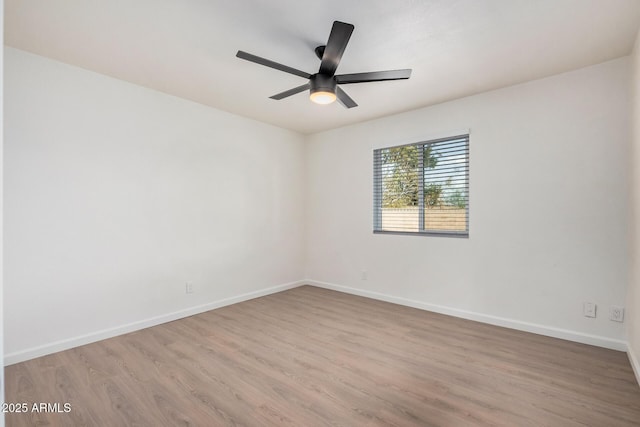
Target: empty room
{"x":329,"y":213}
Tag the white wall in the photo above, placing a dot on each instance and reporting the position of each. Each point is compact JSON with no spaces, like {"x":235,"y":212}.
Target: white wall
{"x":548,"y":208}
{"x":1,"y":210}
{"x":116,"y":195}
{"x":634,"y":221}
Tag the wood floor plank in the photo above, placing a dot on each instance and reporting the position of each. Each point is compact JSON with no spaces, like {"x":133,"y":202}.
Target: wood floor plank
{"x":315,"y":357}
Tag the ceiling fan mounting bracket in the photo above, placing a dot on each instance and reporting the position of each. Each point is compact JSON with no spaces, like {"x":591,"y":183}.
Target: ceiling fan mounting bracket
{"x":320,"y":51}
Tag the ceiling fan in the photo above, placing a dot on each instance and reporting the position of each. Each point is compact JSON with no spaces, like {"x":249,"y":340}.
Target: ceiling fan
{"x":323,"y":85}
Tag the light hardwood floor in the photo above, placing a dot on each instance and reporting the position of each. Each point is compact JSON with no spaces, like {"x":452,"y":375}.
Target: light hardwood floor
{"x":314,"y":357}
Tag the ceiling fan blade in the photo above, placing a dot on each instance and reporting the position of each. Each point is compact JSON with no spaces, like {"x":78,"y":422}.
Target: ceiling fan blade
{"x":345,"y":99}
{"x":290,"y":92}
{"x":338,"y":39}
{"x":374,"y":76}
{"x":271,"y":64}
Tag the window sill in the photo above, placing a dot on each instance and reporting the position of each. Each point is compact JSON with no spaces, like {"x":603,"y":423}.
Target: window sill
{"x":459,"y":234}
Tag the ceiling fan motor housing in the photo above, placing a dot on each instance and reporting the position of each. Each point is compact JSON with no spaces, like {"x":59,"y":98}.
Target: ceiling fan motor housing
{"x":322,"y":83}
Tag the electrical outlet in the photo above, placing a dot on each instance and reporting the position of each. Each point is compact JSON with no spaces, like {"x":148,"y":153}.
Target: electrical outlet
{"x":616,"y":313}
{"x":589,"y":309}
{"x":188,"y":288}
{"x":363,"y":276}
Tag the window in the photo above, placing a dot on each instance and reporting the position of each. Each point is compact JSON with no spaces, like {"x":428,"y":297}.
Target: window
{"x":422,"y":188}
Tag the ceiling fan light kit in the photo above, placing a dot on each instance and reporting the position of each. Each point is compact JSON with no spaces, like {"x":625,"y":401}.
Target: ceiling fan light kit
{"x":322,"y":97}
{"x":323,"y":86}
{"x":322,"y":89}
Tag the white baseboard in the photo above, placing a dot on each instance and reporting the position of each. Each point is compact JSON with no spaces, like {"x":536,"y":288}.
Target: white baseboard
{"x":580,"y":337}
{"x":635,"y":365}
{"x":31,"y":353}
{"x":485,"y":318}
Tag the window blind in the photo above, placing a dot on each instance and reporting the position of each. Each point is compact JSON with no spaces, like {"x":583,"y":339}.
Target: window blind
{"x":422,"y":188}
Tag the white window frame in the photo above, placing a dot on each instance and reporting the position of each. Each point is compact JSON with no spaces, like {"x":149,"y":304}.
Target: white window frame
{"x":378,"y":197}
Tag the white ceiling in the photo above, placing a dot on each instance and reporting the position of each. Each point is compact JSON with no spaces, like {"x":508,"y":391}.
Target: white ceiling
{"x":455,"y":47}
